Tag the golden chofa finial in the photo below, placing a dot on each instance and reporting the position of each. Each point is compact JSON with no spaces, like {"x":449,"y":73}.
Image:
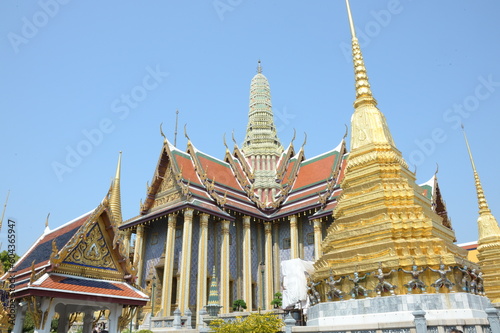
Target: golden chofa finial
{"x":481,"y":199}
{"x":363,"y":90}
{"x":185,"y":132}
{"x":47,"y":221}
{"x":163,"y":134}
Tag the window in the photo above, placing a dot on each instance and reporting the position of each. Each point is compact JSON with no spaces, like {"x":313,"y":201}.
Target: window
{"x":286,"y":243}
{"x":310,"y":238}
{"x":154,"y":238}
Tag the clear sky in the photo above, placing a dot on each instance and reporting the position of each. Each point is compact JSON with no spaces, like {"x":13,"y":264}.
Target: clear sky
{"x":82,"y":80}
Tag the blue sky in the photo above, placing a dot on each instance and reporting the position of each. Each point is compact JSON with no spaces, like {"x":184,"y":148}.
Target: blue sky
{"x":97,"y":78}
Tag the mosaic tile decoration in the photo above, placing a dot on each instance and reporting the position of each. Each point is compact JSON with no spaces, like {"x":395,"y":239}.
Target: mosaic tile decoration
{"x":154,"y":242}
{"x":284,"y":232}
{"x":470,"y":329}
{"x":255,"y":253}
{"x":308,"y":248}
{"x":195,"y":242}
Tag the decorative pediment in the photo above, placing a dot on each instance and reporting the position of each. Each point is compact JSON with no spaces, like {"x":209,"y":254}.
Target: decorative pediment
{"x":169,"y":190}
{"x":90,"y":252}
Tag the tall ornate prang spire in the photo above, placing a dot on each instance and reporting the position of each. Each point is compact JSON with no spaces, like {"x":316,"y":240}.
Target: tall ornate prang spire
{"x":262,"y":147}
{"x":115,"y":196}
{"x":489,"y":238}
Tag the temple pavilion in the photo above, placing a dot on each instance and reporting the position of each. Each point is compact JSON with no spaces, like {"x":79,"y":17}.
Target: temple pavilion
{"x":78,"y":271}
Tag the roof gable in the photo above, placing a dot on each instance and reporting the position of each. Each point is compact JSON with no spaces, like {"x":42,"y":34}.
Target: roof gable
{"x":94,"y":251}
{"x":40,"y":252}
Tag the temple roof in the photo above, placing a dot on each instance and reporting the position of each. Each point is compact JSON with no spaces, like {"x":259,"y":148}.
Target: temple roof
{"x":83,"y":258}
{"x":222,"y":187}
{"x":76,"y":287}
{"x":40,"y":251}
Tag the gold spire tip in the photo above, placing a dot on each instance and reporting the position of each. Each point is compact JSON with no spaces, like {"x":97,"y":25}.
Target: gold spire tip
{"x":468,"y":149}
{"x":118,"y":167}
{"x":351,"y":22}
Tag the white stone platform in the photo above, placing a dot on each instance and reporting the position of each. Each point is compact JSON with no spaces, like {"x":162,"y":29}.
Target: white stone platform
{"x":452,"y":307}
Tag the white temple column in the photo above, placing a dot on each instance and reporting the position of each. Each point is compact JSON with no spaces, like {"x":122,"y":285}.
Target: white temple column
{"x":247,"y":262}
{"x":46,"y":305}
{"x":186,"y":260}
{"x":115,"y":311}
{"x":317,"y":239}
{"x":168,"y":270}
{"x":126,"y":242}
{"x":20,"y":316}
{"x":294,"y":242}
{"x":269,"y":265}
{"x":224,"y":268}
{"x":201,"y":298}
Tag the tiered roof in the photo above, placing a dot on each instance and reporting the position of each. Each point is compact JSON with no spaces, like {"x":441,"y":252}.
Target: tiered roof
{"x":82,"y":259}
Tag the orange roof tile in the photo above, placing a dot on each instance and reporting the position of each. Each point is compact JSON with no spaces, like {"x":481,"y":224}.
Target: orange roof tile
{"x":75,"y":287}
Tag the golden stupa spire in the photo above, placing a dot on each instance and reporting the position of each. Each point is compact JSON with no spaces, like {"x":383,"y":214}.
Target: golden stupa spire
{"x":363,"y":91}
{"x":368,"y":125}
{"x":487,"y":224}
{"x":115,"y":196}
{"x":381,"y":216}
{"x":489,"y":239}
{"x":481,"y":199}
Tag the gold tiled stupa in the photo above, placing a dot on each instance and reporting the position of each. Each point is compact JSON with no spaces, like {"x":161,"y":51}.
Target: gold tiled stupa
{"x":382,"y":218}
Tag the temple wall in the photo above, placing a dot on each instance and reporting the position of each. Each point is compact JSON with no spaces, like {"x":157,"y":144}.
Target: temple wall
{"x":194,"y":261}
{"x":308,"y":240}
{"x":284,"y":233}
{"x":154,"y":242}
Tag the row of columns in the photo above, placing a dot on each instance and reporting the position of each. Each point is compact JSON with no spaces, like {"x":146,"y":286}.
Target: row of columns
{"x":263,"y":162}
{"x":270,"y":257}
{"x":64,"y":310}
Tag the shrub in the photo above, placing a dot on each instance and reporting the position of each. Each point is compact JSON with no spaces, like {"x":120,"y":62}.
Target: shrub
{"x":239,"y":304}
{"x":255,"y":323}
{"x":277,"y":301}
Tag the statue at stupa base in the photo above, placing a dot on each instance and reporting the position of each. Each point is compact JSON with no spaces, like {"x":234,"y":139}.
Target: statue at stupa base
{"x":415,"y":282}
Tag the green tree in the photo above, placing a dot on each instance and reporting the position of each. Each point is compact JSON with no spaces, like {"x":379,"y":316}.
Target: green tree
{"x":29,"y":324}
{"x":278,"y":300}
{"x":6,"y":260}
{"x":255,"y":323}
{"x":239,"y":304}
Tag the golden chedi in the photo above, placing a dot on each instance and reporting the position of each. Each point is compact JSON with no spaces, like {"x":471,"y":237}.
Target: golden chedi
{"x":382,"y":219}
